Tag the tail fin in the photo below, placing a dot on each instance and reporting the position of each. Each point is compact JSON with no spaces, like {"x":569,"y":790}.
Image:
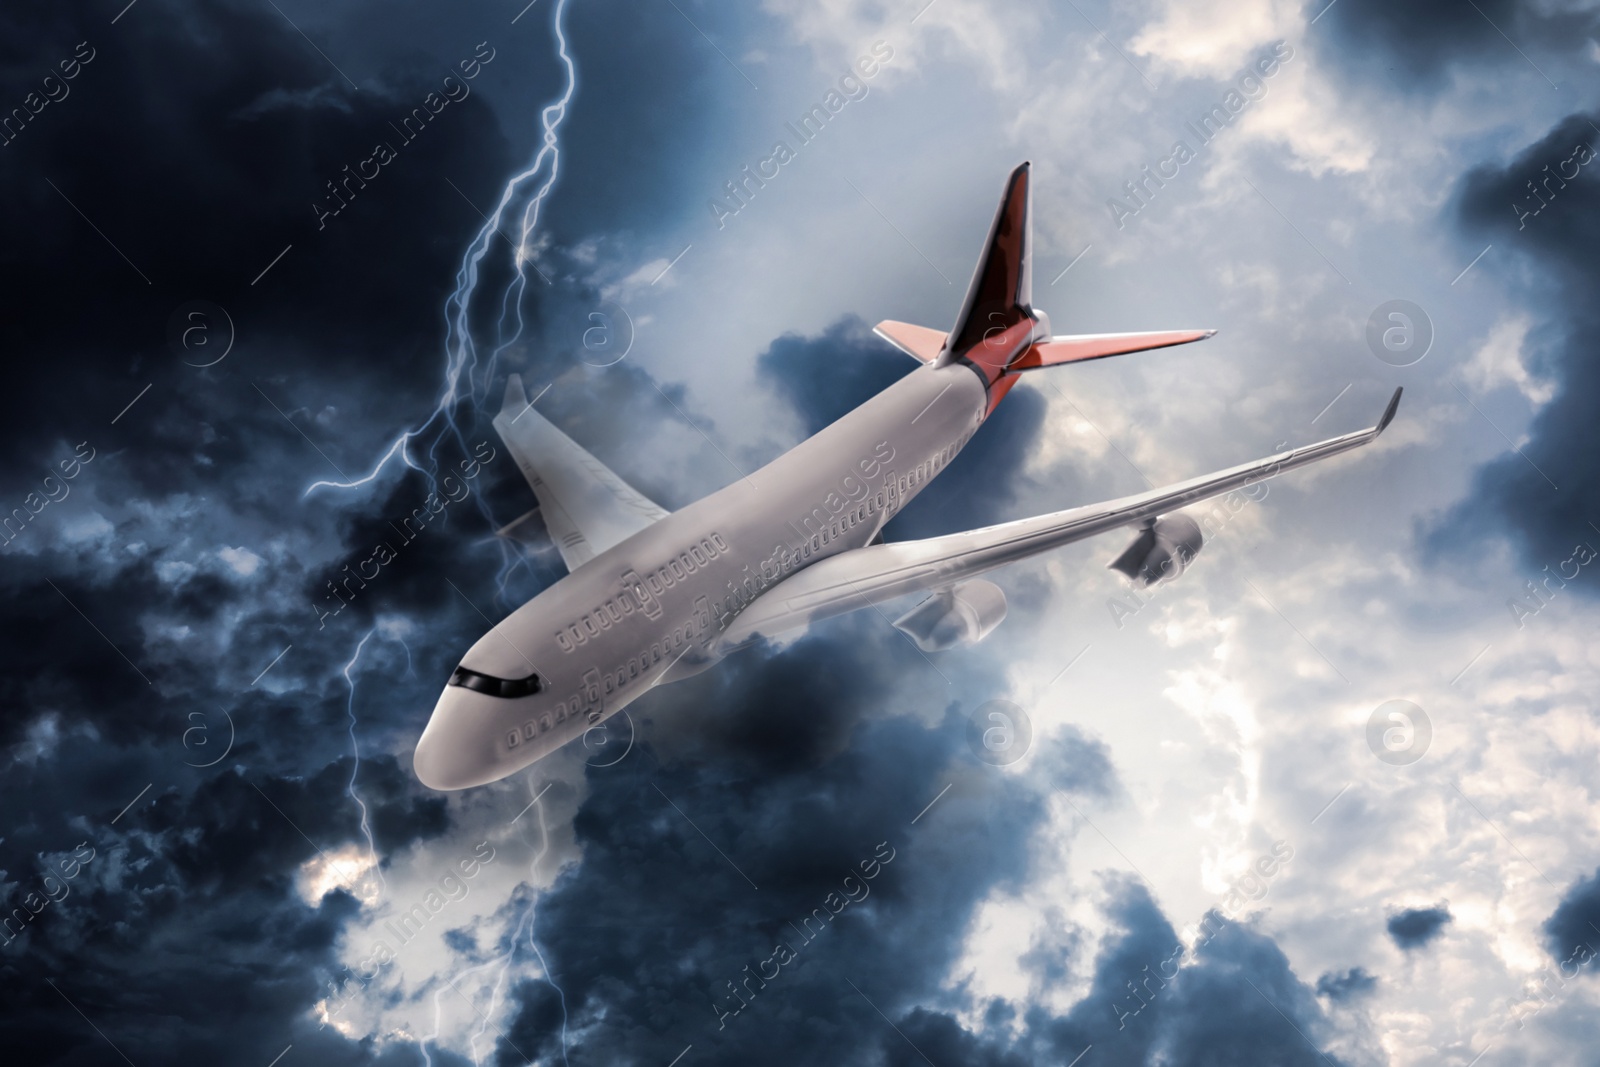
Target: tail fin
{"x":1001,"y":292}
{"x":998,"y":313}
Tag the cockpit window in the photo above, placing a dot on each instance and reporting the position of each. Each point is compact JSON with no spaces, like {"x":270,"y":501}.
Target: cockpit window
{"x":495,"y":687}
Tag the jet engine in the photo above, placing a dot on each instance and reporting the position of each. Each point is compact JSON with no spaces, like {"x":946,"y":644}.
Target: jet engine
{"x":963,"y":614}
{"x":1164,"y":547}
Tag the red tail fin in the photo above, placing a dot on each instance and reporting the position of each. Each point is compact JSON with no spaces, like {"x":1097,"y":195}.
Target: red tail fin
{"x":1001,"y":292}
{"x":998,"y":331}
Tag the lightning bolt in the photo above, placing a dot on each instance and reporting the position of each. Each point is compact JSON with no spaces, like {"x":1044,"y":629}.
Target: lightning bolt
{"x":525,"y":923}
{"x":503,"y":962}
{"x":355,"y":750}
{"x":467,"y":380}
{"x":463,"y":395}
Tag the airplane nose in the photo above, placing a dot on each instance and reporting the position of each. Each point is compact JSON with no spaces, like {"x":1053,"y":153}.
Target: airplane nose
{"x":456,"y":749}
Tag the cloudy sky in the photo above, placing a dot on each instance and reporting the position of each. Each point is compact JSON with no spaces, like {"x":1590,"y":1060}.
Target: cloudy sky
{"x":237,"y":276}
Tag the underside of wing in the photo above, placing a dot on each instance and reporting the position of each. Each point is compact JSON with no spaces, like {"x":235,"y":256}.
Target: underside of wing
{"x":586,"y":507}
{"x":877,"y":573}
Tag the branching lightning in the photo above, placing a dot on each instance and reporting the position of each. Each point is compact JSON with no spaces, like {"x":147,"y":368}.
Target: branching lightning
{"x":462,"y":400}
{"x":503,"y":962}
{"x":525,"y":924}
{"x":355,"y":751}
{"x":467,"y":380}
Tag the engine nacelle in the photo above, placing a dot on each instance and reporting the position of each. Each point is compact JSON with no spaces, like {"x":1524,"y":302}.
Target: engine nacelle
{"x":961,"y":615}
{"x":1161,"y":551}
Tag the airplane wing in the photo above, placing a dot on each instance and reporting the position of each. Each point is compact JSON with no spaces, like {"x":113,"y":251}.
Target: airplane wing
{"x":585,"y":506}
{"x":871,"y":575}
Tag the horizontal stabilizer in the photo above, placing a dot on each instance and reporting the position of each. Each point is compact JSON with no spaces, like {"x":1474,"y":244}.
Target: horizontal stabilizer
{"x":1080,"y":347}
{"x":918,"y":342}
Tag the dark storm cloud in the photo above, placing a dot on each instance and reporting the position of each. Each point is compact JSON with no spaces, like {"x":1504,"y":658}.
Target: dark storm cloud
{"x":1415,"y":927}
{"x":1234,"y":1000}
{"x":1243,"y":1003}
{"x":198,"y":139}
{"x":824,"y":377}
{"x":662,"y":938}
{"x":201,"y":185}
{"x":1422,"y":39}
{"x":1110,"y":1014}
{"x":1342,"y":986}
{"x":649,"y":931}
{"x":1543,"y":207}
{"x":650,"y":103}
{"x":1576,"y":921}
{"x":182,"y":936}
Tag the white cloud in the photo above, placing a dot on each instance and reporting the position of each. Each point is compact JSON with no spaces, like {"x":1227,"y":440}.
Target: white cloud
{"x":241,"y":561}
{"x":175,"y":571}
{"x":1502,"y":360}
{"x":82,"y":529}
{"x":1214,"y":39}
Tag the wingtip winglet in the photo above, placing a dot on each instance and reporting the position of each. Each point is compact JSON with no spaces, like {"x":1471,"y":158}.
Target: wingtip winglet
{"x":1388,"y":412}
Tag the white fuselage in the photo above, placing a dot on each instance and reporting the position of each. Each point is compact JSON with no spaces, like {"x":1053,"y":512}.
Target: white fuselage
{"x":653,"y":608}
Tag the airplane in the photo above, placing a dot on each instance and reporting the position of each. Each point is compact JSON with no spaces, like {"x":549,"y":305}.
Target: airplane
{"x":652,"y":597}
